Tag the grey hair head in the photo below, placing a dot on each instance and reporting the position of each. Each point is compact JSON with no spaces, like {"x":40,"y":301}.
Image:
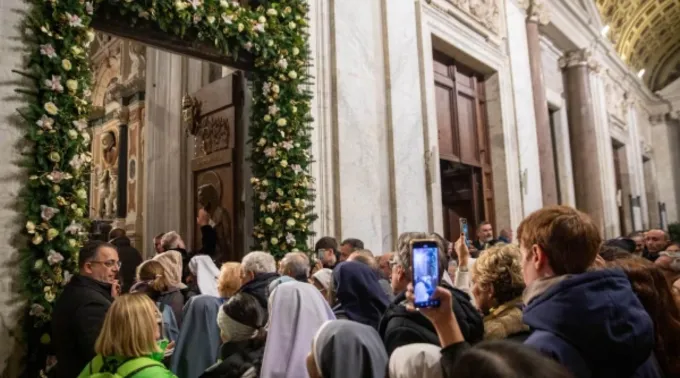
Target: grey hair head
{"x":403,"y":255}
{"x":295,"y":264}
{"x":258,"y":262}
{"x":171,"y":240}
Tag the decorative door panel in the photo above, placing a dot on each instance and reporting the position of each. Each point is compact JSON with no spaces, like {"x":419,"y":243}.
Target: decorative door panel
{"x":448,"y":143}
{"x":211,"y":114}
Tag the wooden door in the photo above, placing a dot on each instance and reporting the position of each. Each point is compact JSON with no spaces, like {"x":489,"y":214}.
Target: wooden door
{"x":463,"y":140}
{"x":215,"y":162}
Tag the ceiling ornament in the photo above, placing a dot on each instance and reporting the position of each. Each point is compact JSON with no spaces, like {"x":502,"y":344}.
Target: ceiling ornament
{"x":646,"y":34}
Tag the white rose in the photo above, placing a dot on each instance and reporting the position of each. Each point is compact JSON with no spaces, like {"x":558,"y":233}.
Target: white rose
{"x":210,"y":19}
{"x":72,"y":243}
{"x":72,"y":134}
{"x":290,"y":222}
{"x":30,"y":227}
{"x":274,"y":241}
{"x":81,"y":193}
{"x":296,"y":51}
{"x":72,"y":85}
{"x":271,"y":12}
{"x":269,"y":221}
{"x":262,"y":19}
{"x":292,"y":25}
{"x":282,"y":122}
{"x":267,"y":118}
{"x":292,"y":75}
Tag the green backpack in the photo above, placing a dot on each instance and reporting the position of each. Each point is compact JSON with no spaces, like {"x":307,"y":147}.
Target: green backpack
{"x":125,"y":370}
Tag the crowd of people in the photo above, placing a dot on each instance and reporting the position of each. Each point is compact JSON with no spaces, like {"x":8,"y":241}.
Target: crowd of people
{"x":557,"y":302}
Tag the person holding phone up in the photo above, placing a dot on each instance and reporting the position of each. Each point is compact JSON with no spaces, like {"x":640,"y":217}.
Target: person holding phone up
{"x":399,"y":326}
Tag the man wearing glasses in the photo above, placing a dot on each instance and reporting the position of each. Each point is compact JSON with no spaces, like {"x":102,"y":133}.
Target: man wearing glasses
{"x":79,"y":311}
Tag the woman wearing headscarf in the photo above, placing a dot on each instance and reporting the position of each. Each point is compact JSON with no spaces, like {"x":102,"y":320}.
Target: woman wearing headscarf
{"x":152,"y":280}
{"x":199,"y":339}
{"x":416,"y":361}
{"x":241,"y":321}
{"x":297,"y":310}
{"x":357,"y":294}
{"x":343,"y":348}
{"x":321,"y":279}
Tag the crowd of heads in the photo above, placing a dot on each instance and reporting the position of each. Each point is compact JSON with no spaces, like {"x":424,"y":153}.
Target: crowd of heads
{"x":341,"y":310}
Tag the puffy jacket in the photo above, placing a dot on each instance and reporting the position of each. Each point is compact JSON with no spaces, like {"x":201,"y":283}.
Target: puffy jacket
{"x":594,"y":324}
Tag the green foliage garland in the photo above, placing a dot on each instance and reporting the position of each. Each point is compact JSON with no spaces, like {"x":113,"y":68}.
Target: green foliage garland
{"x":275,"y":34}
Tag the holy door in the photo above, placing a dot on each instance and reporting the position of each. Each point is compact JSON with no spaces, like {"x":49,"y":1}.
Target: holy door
{"x":211,"y":117}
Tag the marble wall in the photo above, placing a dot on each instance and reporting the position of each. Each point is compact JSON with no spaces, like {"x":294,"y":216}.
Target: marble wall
{"x":12,"y":178}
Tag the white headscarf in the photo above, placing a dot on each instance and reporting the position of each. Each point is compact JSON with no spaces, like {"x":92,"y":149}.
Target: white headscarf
{"x":416,"y":361}
{"x":206,"y":272}
{"x":324,"y":277}
{"x":296,"y":312}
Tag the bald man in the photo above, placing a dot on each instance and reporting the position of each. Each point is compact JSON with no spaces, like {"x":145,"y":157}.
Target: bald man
{"x":656,"y":242}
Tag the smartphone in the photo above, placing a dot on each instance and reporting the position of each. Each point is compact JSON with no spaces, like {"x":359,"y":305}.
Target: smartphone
{"x":425,"y":268}
{"x":464,"y":230}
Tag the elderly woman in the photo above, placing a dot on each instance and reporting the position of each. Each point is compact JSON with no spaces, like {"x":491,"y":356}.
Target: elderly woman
{"x":229,"y":280}
{"x":497,"y":286}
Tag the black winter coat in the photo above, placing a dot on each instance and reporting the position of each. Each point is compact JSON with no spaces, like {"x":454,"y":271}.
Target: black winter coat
{"x":76,"y":321}
{"x":399,"y":327}
{"x":130,"y":259}
{"x":237,"y":358}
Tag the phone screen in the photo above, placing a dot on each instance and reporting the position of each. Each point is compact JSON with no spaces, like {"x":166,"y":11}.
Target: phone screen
{"x":425,"y":273}
{"x":464,"y":231}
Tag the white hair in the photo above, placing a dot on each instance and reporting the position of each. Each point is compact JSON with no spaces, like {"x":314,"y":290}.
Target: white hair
{"x":295,"y":264}
{"x":258,"y":262}
{"x":172,"y":240}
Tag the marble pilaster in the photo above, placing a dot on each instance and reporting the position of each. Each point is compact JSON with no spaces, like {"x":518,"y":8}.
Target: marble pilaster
{"x":666,"y":134}
{"x":528,"y":144}
{"x":165,"y":144}
{"x":362,"y":142}
{"x":13,"y":178}
{"x":583,"y":135}
{"x":536,"y":14}
{"x":405,"y":118}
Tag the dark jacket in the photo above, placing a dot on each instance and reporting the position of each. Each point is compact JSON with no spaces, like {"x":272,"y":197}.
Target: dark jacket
{"x":236,"y":358}
{"x":130,"y":259}
{"x":259,"y":288}
{"x":399,"y":327}
{"x":594,"y":324}
{"x":480,"y":247}
{"x":76,"y":321}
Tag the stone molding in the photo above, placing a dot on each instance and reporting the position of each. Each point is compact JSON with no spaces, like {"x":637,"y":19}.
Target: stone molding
{"x":486,"y":12}
{"x":537,"y":11}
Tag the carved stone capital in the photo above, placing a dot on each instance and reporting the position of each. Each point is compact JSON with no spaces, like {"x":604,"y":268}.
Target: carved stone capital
{"x":537,"y":11}
{"x":581,"y":57}
{"x":123,"y":115}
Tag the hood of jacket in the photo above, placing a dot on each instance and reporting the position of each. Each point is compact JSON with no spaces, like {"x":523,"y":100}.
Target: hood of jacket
{"x":599,"y":315}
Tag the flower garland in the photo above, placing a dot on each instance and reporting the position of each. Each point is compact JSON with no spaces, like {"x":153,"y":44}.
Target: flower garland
{"x":56,"y":197}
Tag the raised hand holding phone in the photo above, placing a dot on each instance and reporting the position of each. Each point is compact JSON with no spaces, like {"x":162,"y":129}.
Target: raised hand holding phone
{"x":425,"y":269}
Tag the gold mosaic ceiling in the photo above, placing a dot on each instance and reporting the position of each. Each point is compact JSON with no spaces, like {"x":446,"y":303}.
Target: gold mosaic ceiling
{"x":646,"y":34}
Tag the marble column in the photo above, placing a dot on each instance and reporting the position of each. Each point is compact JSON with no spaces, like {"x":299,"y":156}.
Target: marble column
{"x":121,"y":200}
{"x":537,"y":14}
{"x":583,"y":134}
